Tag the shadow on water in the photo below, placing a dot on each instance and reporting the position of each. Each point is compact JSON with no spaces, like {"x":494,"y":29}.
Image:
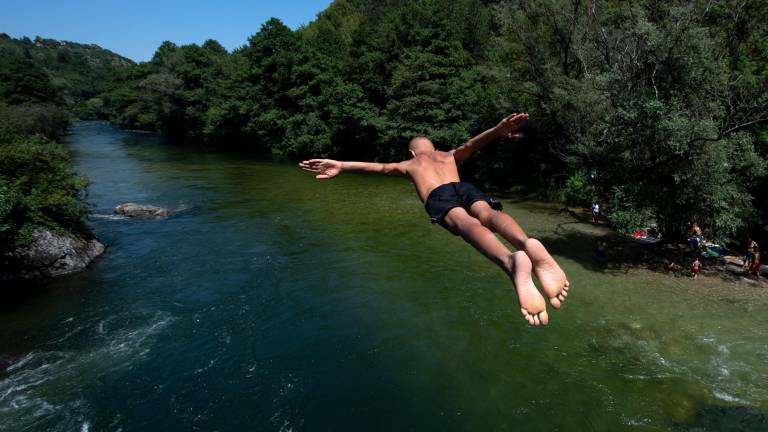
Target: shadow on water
{"x":726,"y":419}
{"x":17,"y":292}
{"x":621,"y":255}
{"x":20,"y":293}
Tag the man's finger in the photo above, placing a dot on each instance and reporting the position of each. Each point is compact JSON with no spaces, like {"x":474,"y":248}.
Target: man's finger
{"x":311,"y":165}
{"x":516,"y":118}
{"x":322,"y":176}
{"x":520,"y":120}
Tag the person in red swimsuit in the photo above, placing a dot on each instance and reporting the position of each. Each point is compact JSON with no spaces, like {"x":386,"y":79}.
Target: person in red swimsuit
{"x":754,"y":269}
{"x":695,"y":268}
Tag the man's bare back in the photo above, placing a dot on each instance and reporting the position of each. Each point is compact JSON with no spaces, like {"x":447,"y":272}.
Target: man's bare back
{"x":465,"y":211}
{"x":430,"y":170}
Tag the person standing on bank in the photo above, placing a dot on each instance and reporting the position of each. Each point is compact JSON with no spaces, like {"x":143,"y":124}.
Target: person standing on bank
{"x":595,"y":212}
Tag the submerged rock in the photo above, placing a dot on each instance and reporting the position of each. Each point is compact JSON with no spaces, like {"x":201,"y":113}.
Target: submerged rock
{"x":50,"y":254}
{"x":141,"y":211}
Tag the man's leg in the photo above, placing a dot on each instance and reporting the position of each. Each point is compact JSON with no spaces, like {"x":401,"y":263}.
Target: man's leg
{"x":516,"y":265}
{"x":553,"y":280}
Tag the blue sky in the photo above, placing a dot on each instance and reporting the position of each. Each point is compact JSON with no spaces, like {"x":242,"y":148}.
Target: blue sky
{"x":136,"y":28}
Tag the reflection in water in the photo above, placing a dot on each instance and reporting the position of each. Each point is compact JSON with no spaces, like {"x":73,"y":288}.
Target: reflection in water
{"x":276,"y":302}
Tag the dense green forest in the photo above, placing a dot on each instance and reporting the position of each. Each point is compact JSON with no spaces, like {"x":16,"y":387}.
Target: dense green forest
{"x":43,"y":83}
{"x":656,"y":109}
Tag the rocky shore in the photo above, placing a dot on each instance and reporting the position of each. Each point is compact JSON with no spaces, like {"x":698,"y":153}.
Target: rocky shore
{"x":51,"y":254}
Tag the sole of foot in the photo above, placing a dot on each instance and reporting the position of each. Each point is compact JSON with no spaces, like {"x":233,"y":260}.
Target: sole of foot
{"x":553,"y":281}
{"x":532,"y":304}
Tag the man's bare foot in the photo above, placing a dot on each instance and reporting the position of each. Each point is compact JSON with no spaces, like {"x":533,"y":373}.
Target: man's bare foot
{"x":554,"y":283}
{"x":532,"y":304}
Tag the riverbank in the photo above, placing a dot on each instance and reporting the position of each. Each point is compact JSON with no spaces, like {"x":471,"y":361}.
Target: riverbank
{"x":675,"y":260}
{"x":624,"y":253}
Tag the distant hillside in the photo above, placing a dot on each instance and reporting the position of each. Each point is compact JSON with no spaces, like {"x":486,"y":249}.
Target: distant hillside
{"x":78,"y":72}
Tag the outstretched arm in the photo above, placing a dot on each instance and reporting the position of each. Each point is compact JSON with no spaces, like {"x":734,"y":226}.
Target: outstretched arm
{"x":329,"y":168}
{"x":506,"y":128}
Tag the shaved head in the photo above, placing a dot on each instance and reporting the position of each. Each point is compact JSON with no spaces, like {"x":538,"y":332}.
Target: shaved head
{"x":420,"y":144}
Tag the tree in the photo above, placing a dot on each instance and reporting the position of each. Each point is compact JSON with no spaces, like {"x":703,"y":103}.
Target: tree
{"x":642,"y":97}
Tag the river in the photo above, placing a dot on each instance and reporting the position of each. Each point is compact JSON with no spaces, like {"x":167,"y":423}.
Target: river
{"x":272,"y":301}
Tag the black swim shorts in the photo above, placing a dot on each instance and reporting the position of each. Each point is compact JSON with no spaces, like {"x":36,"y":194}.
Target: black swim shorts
{"x":450,"y":195}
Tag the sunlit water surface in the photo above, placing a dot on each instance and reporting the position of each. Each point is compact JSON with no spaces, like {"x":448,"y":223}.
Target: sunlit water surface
{"x":272,"y":301}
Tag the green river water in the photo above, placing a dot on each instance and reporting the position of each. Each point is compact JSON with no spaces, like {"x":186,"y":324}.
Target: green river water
{"x":272,"y":301}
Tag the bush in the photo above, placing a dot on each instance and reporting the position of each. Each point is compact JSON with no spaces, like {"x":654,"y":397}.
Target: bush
{"x":626,"y":215}
{"x":38,"y":188}
{"x":579,"y":190}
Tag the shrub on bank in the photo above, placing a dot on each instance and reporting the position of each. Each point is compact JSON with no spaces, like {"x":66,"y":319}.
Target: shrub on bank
{"x":38,"y":188}
{"x":579,"y":191}
{"x":37,"y":184}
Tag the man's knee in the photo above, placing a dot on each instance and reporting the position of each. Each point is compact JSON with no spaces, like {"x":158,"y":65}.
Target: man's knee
{"x":487,"y":217}
{"x":483,"y":212}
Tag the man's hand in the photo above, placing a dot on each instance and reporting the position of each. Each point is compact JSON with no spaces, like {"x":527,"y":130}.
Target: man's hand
{"x":508,"y":127}
{"x":324,"y":168}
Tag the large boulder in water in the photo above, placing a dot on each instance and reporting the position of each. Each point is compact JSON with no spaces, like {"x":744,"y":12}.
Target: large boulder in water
{"x":141,"y":211}
{"x":51,"y":254}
